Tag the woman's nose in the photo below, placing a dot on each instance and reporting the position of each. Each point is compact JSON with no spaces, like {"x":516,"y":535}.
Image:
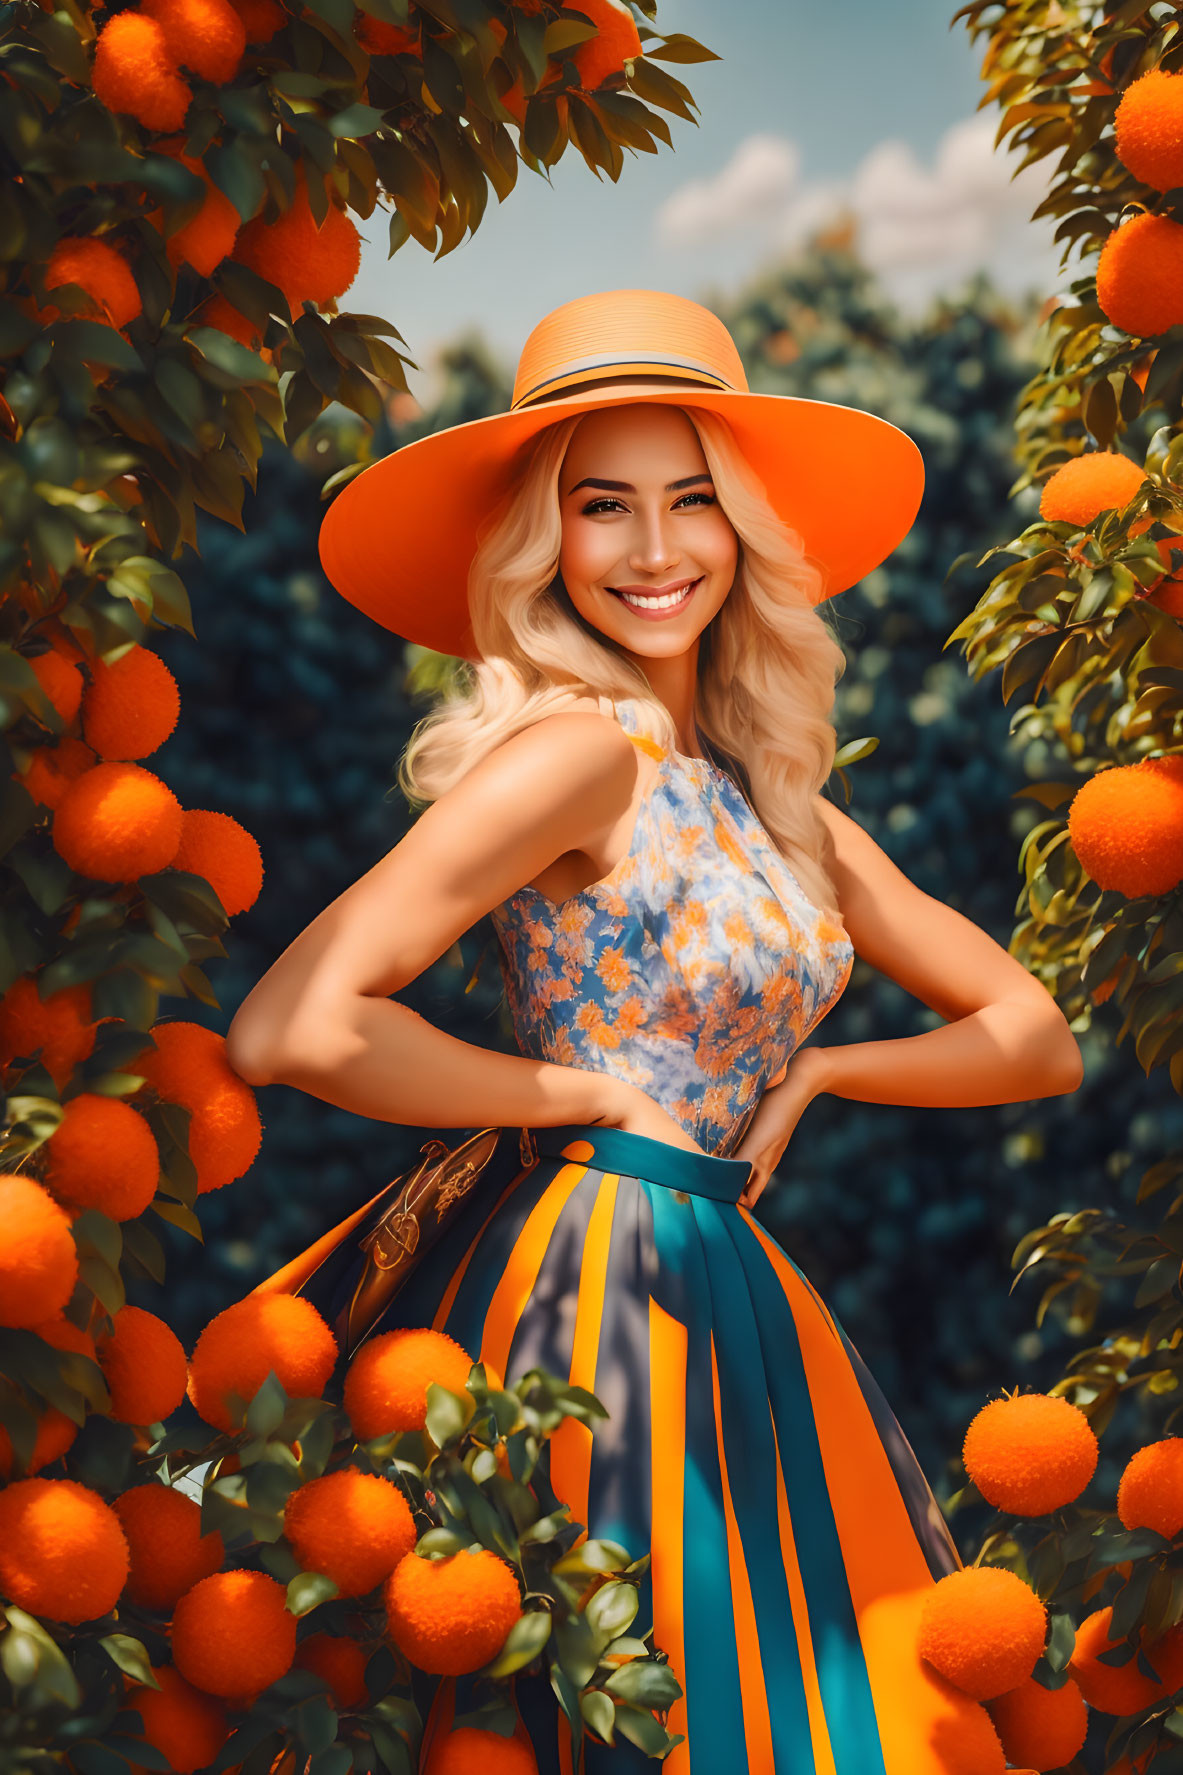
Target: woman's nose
{"x":654,"y":549}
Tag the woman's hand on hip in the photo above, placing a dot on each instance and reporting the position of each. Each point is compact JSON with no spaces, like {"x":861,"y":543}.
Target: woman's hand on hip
{"x":777,"y":1114}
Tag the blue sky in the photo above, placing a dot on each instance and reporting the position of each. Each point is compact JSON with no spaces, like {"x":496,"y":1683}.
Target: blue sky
{"x":812,"y":108}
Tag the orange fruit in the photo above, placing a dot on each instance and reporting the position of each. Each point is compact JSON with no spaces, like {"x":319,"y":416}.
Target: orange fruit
{"x":61,"y":681}
{"x":1082,"y":489}
{"x":217,"y":312}
{"x":169,"y":1553}
{"x":1030,"y":1453}
{"x":63,"y":1554}
{"x":117,"y":822}
{"x":102,"y":272}
{"x":379,"y":38}
{"x":1126,"y":827}
{"x":450,"y":1616}
{"x":340,"y":1661}
{"x":466,"y":1749}
{"x":1148,"y":129}
{"x":189,"y":1066}
{"x":261,"y":18}
{"x":59,"y":1028}
{"x":214,"y":846}
{"x":308,"y":263}
{"x":386,"y":1383}
{"x":135,"y":73}
{"x":103,"y":1155}
{"x":232,"y":1633}
{"x":983,"y":1629}
{"x":143,"y":1364}
{"x":131,"y":704}
{"x":354,"y":1527}
{"x":1110,"y":1688}
{"x":1042,"y":1728}
{"x":244,"y":1342}
{"x":616,"y":41}
{"x":206,"y":36}
{"x":1140,"y":276}
{"x":55,"y":1436}
{"x":1150,"y":1491}
{"x":189,"y":1727}
{"x":38,"y":1256}
{"x":52,"y":769}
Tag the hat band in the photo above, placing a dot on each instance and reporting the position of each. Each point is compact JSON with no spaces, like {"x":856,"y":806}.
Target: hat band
{"x":578,"y":370}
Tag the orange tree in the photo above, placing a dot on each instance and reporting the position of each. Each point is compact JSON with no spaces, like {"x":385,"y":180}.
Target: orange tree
{"x":181,"y":187}
{"x":1083,"y":625}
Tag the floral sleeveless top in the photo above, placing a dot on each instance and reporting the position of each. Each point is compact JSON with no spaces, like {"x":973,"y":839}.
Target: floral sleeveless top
{"x":692,"y":970}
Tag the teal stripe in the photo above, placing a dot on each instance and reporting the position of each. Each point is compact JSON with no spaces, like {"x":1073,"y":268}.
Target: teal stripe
{"x":714,"y":1709}
{"x":841,"y":1667}
{"x":751,"y":1471}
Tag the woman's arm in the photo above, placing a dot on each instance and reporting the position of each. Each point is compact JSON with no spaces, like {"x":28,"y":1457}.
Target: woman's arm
{"x":1005,"y":1040}
{"x":321,"y":1018}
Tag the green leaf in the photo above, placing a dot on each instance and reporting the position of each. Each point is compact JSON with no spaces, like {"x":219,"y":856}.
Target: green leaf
{"x":447,"y":1413}
{"x":647,"y":1733}
{"x":266,"y":1409}
{"x":612,"y":1609}
{"x":598,"y":1711}
{"x":91,"y":342}
{"x":646,"y":1682}
{"x":524,"y":1641}
{"x":441,"y":1541}
{"x":131,"y":1656}
{"x":680,"y":48}
{"x":355,"y":121}
{"x":308,"y":1590}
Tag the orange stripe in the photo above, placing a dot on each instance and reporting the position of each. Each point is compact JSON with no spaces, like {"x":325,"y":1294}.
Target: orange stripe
{"x":886,"y":1570}
{"x":823,"y":1754}
{"x":757,"y":1728}
{"x":521,"y":1270}
{"x":566,"y":1767}
{"x":445,"y":1306}
{"x":667,"y":1406}
{"x":571,"y":1444}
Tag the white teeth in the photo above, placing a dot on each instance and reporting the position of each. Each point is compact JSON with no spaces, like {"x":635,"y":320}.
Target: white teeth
{"x":648,"y":603}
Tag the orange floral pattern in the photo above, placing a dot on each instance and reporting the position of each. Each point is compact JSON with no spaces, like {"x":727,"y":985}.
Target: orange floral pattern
{"x":693,"y":970}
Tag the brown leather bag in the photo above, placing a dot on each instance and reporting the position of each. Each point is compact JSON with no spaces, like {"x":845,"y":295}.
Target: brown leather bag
{"x":396,"y":1228}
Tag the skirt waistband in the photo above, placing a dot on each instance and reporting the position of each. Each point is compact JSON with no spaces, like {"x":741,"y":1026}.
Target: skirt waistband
{"x":637,"y":1155}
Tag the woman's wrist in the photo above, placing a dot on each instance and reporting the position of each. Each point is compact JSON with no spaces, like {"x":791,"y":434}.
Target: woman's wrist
{"x":821,"y":1068}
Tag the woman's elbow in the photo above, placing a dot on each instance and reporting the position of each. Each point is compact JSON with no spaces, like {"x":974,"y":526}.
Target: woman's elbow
{"x":249,"y":1054}
{"x":1062,"y":1061}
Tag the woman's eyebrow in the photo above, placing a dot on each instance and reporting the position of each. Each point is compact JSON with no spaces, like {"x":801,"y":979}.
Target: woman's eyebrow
{"x":627,"y":486}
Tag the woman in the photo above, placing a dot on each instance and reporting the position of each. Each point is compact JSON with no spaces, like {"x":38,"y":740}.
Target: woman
{"x":629,"y":782}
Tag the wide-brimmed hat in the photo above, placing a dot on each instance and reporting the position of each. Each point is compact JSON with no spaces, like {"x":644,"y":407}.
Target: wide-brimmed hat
{"x":399,"y":539}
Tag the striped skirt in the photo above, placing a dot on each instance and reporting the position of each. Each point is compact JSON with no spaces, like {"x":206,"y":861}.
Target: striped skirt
{"x":793,"y":1534}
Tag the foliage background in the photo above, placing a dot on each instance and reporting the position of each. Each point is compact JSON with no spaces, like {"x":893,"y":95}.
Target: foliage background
{"x":296,"y":710}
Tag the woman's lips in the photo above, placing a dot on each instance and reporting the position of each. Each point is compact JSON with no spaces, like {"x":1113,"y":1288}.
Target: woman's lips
{"x":657,"y":613}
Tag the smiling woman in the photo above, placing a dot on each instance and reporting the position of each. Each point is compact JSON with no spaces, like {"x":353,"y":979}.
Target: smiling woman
{"x":629,"y":780}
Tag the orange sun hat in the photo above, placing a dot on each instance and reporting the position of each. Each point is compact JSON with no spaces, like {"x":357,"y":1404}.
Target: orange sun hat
{"x":399,"y":539}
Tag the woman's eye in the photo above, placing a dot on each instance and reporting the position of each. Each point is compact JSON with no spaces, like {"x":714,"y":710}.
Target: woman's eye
{"x":601,"y":505}
{"x":706,"y":498}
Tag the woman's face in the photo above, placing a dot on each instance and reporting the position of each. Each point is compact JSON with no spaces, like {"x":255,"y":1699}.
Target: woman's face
{"x":647,"y":553}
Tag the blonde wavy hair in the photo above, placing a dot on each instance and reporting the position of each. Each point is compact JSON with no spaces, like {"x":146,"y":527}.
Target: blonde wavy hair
{"x":767,"y":671}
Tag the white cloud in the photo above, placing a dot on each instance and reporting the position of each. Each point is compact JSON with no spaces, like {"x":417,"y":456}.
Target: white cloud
{"x":921,"y":228}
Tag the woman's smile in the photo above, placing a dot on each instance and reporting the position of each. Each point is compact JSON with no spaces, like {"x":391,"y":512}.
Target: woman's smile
{"x":655,"y":603}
